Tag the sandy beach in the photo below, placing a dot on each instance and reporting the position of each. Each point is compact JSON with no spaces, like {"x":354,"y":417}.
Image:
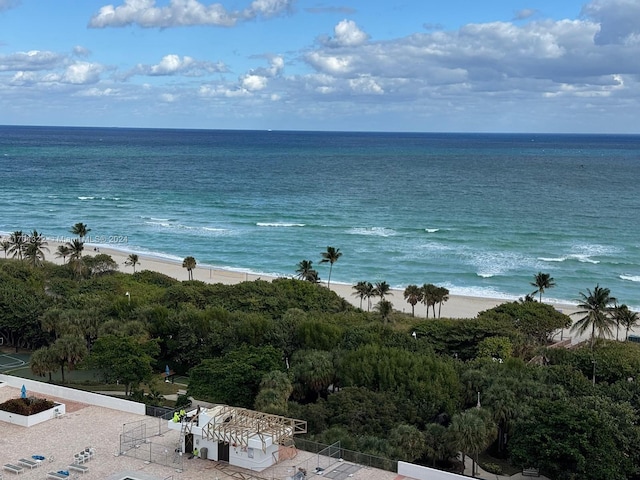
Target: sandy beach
{"x":457,"y":306}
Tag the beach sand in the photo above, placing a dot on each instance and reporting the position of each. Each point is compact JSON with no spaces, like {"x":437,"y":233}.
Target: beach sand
{"x":457,"y":306}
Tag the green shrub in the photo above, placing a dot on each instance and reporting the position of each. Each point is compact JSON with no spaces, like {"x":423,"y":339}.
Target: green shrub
{"x":26,"y":406}
{"x":492,"y":468}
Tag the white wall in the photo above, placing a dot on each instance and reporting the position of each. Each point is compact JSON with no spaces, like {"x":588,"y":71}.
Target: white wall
{"x":75,"y":395}
{"x":425,"y":473}
{"x":30,"y":420}
{"x":261,"y":460}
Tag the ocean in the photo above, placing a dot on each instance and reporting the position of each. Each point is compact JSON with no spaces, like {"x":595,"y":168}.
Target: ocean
{"x":477,"y":213}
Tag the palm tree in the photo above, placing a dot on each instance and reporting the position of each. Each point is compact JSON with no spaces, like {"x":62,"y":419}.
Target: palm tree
{"x":429,"y":295}
{"x":6,"y":246}
{"x":542,"y":282}
{"x":382,"y":289}
{"x":63,"y":252}
{"x":190,"y":264}
{"x":69,"y":350}
{"x":132,"y":261}
{"x":17,"y":241}
{"x":442,"y":295}
{"x":385,"y":308}
{"x":306,"y":271}
{"x":331,"y":256}
{"x":42,"y":362}
{"x":469,"y":434}
{"x":81,"y":230}
{"x":625,"y":317}
{"x":413,"y":295}
{"x":596,"y":307}
{"x":360,"y":291}
{"x":76,"y":246}
{"x":369,"y":293}
{"x":34,"y":249}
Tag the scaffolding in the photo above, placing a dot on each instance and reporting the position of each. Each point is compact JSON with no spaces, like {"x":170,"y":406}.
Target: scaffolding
{"x":237,"y":425}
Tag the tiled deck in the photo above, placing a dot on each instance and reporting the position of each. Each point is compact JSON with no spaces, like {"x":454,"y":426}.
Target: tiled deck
{"x":86,"y":425}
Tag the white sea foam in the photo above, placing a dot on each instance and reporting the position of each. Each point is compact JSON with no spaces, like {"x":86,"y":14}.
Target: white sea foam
{"x":552,"y":259}
{"x":431,"y":230}
{"x":279,"y":224}
{"x":630,"y":278}
{"x":485,"y":275}
{"x":197,"y":230}
{"x":86,"y":198}
{"x":376,"y":231}
{"x":584,"y":258}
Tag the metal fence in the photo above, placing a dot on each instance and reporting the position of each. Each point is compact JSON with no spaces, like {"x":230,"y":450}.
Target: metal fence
{"x":327,"y":453}
{"x":146,"y":441}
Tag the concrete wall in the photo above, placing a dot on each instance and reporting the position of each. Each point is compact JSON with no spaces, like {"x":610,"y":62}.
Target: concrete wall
{"x":425,"y":473}
{"x":30,"y":420}
{"x":74,"y":395}
{"x":252,"y":458}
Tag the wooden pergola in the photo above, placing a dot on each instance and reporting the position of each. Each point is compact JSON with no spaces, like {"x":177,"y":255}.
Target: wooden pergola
{"x":237,"y":425}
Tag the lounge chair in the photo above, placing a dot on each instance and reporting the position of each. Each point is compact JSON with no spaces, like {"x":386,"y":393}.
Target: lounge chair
{"x":25,"y":462}
{"x":9,"y":467}
{"x":78,"y":468}
{"x":57,"y":476}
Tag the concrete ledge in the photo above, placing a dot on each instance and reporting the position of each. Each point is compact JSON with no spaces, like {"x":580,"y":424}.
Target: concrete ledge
{"x":81,"y":396}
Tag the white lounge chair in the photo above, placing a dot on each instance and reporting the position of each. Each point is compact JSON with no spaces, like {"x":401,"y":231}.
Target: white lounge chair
{"x":78,"y":468}
{"x":25,"y":462}
{"x":9,"y":467}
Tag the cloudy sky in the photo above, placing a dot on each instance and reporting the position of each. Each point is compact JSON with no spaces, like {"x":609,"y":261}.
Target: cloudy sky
{"x":365,"y":65}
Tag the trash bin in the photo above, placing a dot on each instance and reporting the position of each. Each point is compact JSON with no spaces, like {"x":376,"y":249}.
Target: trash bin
{"x":204,"y":452}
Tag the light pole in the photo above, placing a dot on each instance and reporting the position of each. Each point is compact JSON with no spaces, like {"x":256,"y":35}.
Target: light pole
{"x":128,"y":297}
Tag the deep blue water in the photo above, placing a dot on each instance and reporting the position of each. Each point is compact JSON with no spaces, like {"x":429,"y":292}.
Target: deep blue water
{"x":477,"y":213}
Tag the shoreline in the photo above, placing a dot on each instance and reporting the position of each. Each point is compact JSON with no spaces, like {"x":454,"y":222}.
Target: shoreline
{"x":458,"y":306}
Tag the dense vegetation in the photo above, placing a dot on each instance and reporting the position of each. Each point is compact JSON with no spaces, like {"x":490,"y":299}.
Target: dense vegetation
{"x":293,"y":347}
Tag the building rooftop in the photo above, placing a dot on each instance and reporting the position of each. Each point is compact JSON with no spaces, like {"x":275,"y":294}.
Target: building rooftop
{"x":84,"y":425}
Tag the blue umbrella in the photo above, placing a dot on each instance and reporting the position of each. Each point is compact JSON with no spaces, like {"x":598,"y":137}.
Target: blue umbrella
{"x":23,"y":392}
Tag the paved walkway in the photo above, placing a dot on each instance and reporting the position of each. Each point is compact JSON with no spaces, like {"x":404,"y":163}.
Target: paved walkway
{"x":492,"y":476}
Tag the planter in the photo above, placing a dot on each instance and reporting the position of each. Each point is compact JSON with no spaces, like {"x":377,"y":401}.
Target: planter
{"x":57,"y":410}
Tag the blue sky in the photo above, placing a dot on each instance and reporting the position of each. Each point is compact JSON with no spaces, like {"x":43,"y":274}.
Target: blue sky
{"x":365,"y":65}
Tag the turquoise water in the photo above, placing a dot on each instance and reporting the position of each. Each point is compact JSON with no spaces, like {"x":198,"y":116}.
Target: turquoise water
{"x":477,"y":213}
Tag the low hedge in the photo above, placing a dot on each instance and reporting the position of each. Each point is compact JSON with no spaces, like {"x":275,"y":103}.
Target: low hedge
{"x":26,"y":406}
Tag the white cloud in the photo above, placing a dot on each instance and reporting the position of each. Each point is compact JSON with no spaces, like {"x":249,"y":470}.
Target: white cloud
{"x":253,"y":83}
{"x":524,"y":14}
{"x":619,"y":20}
{"x":175,"y":65}
{"x":81,"y":51}
{"x":346,"y":34}
{"x":146,"y":14}
{"x":33,"y":60}
{"x":82,"y":73}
